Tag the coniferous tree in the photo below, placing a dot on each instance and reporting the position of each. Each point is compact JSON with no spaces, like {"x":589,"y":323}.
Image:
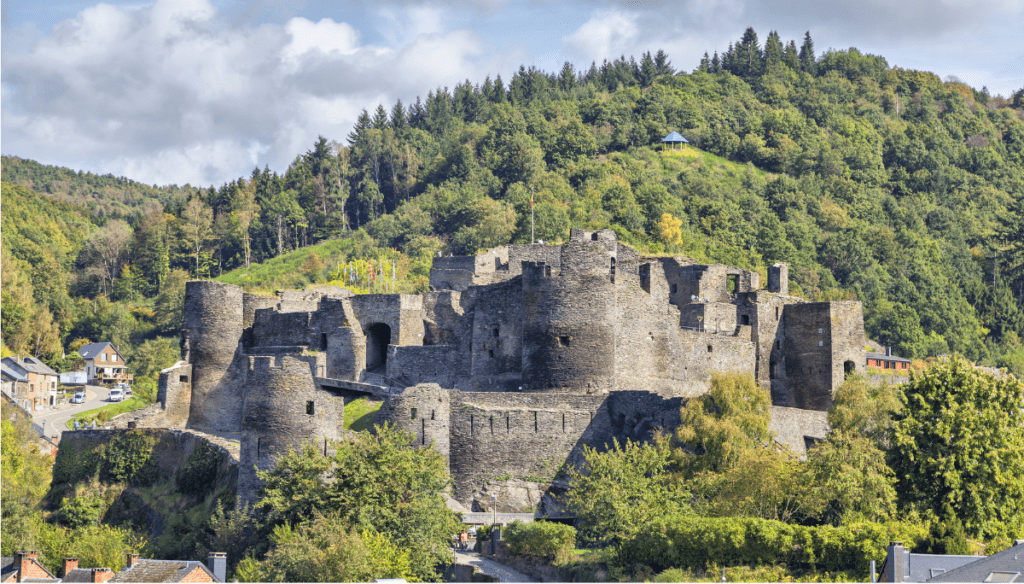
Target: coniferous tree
{"x":716,"y":63}
{"x":647,"y":71}
{"x":361,"y":126}
{"x":749,"y":58}
{"x":791,"y":57}
{"x":807,"y":62}
{"x":380,"y":118}
{"x":773,"y":50}
{"x":662,"y":63}
{"x":705,"y":63}
{"x":398,"y":119}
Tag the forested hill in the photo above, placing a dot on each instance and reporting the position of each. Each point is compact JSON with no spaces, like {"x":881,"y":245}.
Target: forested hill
{"x":103,"y":195}
{"x":878,"y":183}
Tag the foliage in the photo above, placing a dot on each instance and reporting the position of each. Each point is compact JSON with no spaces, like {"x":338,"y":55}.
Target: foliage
{"x":374,"y":482}
{"x":26,"y":476}
{"x":81,"y":511}
{"x":946,"y":536}
{"x":692,"y":542}
{"x":108,"y":412}
{"x":128,"y":458}
{"x":959,"y":441}
{"x":542,"y":539}
{"x":717,"y":428}
{"x":198,"y":476}
{"x":327,"y":549}
{"x":95,"y":546}
{"x":618,"y":492}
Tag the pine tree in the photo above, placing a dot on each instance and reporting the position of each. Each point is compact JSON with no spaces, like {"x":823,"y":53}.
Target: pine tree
{"x":647,"y":70}
{"x":807,"y":62}
{"x":791,"y":57}
{"x":398,"y":119}
{"x":705,"y":63}
{"x":362,"y":125}
{"x":750,"y":59}
{"x":380,"y":118}
{"x":716,"y":63}
{"x":773,"y":50}
{"x":662,"y":63}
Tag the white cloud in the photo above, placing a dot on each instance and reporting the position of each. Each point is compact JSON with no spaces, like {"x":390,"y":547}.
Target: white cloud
{"x":169,"y":93}
{"x":607,"y":34}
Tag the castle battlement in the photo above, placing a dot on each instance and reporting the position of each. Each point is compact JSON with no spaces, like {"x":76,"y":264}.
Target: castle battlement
{"x":516,"y":355}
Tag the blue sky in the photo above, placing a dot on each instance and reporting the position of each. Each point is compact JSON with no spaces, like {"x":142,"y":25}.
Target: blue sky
{"x":201,"y":91}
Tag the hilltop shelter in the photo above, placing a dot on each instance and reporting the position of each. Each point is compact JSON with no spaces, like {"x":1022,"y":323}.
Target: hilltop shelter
{"x":673,"y":139}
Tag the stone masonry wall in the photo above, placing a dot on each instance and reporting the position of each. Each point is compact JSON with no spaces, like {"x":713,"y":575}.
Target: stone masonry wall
{"x":283,"y":410}
{"x":174,"y":393}
{"x":808,"y":356}
{"x":212,"y":324}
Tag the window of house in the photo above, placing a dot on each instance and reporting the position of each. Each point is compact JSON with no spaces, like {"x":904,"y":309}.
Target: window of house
{"x":103,"y":357}
{"x":113,"y":358}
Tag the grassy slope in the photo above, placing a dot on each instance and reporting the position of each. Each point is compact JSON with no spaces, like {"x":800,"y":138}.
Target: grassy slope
{"x":359,"y":413}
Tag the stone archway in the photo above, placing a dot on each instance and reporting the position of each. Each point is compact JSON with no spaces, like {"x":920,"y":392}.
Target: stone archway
{"x":378,"y":337}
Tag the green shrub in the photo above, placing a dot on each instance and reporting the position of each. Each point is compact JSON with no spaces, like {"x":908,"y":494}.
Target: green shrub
{"x":74,"y":464}
{"x":543,"y":539}
{"x":696,"y":543}
{"x":198,"y":476}
{"x":128,"y":458}
{"x":81,"y":511}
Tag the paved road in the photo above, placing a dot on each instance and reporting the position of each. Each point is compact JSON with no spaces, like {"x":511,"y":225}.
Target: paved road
{"x":502,"y":572}
{"x":54,"y":422}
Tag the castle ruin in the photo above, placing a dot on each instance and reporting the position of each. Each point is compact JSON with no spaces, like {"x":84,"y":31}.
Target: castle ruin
{"x":516,"y":357}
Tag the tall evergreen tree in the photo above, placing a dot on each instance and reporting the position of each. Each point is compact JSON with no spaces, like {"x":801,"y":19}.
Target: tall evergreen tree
{"x":749,"y":57}
{"x":380,"y":118}
{"x":398,"y":119}
{"x":791,"y":57}
{"x":362,"y":125}
{"x":807,"y":62}
{"x":773,"y":50}
{"x":648,"y":70}
{"x":662,"y":63}
{"x":705,"y":63}
{"x":716,"y":63}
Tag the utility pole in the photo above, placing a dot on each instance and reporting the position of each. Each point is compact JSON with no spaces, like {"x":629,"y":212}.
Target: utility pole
{"x":532,"y":237}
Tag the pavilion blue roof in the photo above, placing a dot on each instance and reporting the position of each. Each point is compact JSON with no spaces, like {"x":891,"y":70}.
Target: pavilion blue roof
{"x":675,"y":137}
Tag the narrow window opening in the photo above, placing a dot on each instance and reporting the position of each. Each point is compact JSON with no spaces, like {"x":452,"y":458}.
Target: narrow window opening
{"x":323,"y":341}
{"x":495,"y":333}
{"x":675,"y":288}
{"x":535,"y":425}
{"x":593,"y":236}
{"x":732,"y":283}
{"x":563,"y":341}
{"x":310,"y":408}
{"x":413,"y":413}
{"x":776,"y":313}
{"x":183,"y":378}
{"x":432,"y":415}
{"x":490,"y":353}
{"x":325,"y":446}
{"x":423,"y":431}
{"x":492,"y":424}
{"x":820,"y":331}
{"x":258,"y":444}
{"x":778,"y":344}
{"x":645,"y":277}
{"x":709,"y":348}
{"x":563,"y":422}
{"x":508,"y":424}
{"x":613,"y":270}
{"x":746,"y":319}
{"x":471,"y":421}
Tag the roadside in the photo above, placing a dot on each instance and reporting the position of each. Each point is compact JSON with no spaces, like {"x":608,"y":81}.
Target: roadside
{"x":54,"y":422}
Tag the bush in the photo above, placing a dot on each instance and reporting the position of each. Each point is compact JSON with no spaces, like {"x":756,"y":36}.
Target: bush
{"x":81,"y":511}
{"x":696,"y":542}
{"x":198,"y":476}
{"x":128,"y":458}
{"x":543,"y":539}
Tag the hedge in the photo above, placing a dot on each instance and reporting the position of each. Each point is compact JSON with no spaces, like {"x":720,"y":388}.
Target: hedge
{"x":543,"y":539}
{"x":697,"y":542}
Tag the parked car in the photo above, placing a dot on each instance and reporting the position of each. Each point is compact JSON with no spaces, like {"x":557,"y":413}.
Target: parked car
{"x":79,"y":398}
{"x":125,"y":389}
{"x":116,"y":395}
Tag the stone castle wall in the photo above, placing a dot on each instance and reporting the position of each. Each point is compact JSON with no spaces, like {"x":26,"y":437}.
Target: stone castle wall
{"x":212,"y":327}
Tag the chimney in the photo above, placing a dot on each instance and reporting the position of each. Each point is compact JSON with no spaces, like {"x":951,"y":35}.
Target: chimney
{"x":101,"y":574}
{"x":23,"y":563}
{"x":130,"y":560}
{"x":218,"y":564}
{"x":895,"y":561}
{"x":69,"y":564}
{"x":888,"y":351}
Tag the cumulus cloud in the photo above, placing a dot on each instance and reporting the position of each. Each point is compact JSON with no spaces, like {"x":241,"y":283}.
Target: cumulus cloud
{"x":170,"y":94}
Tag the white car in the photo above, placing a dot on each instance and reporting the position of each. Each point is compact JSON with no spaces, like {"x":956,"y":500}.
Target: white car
{"x":79,"y":398}
{"x":116,"y":395}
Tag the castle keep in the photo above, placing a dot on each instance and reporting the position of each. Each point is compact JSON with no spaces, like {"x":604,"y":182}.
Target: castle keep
{"x":514,"y":359}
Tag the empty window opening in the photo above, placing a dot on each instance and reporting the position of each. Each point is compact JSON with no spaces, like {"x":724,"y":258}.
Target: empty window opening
{"x":593,"y":236}
{"x":495,"y":333}
{"x":563,"y":422}
{"x":323,"y":341}
{"x":432,"y":414}
{"x":564,"y":341}
{"x":508,"y":424}
{"x":849,"y":367}
{"x":821,"y":343}
{"x":613,"y":270}
{"x":820,"y":331}
{"x":492,"y":424}
{"x":746,"y":319}
{"x":547,"y":271}
{"x":778,"y":344}
{"x":732,"y":283}
{"x":183,"y":379}
{"x":258,"y":444}
{"x":776,"y":313}
{"x":772,"y":365}
{"x":471,"y":425}
{"x":810,"y":442}
{"x":645,"y":277}
{"x":490,"y":353}
{"x":412,"y":412}
{"x":709,"y":348}
{"x":535,"y":425}
{"x":310,"y":408}
{"x":674,"y":288}
{"x":325,"y":446}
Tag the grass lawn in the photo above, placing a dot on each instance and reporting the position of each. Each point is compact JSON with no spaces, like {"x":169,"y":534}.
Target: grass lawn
{"x":105,"y":413}
{"x":359,"y":413}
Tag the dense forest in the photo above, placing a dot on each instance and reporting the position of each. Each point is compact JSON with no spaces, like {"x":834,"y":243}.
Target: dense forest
{"x":890,"y":186}
{"x":877,"y":183}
